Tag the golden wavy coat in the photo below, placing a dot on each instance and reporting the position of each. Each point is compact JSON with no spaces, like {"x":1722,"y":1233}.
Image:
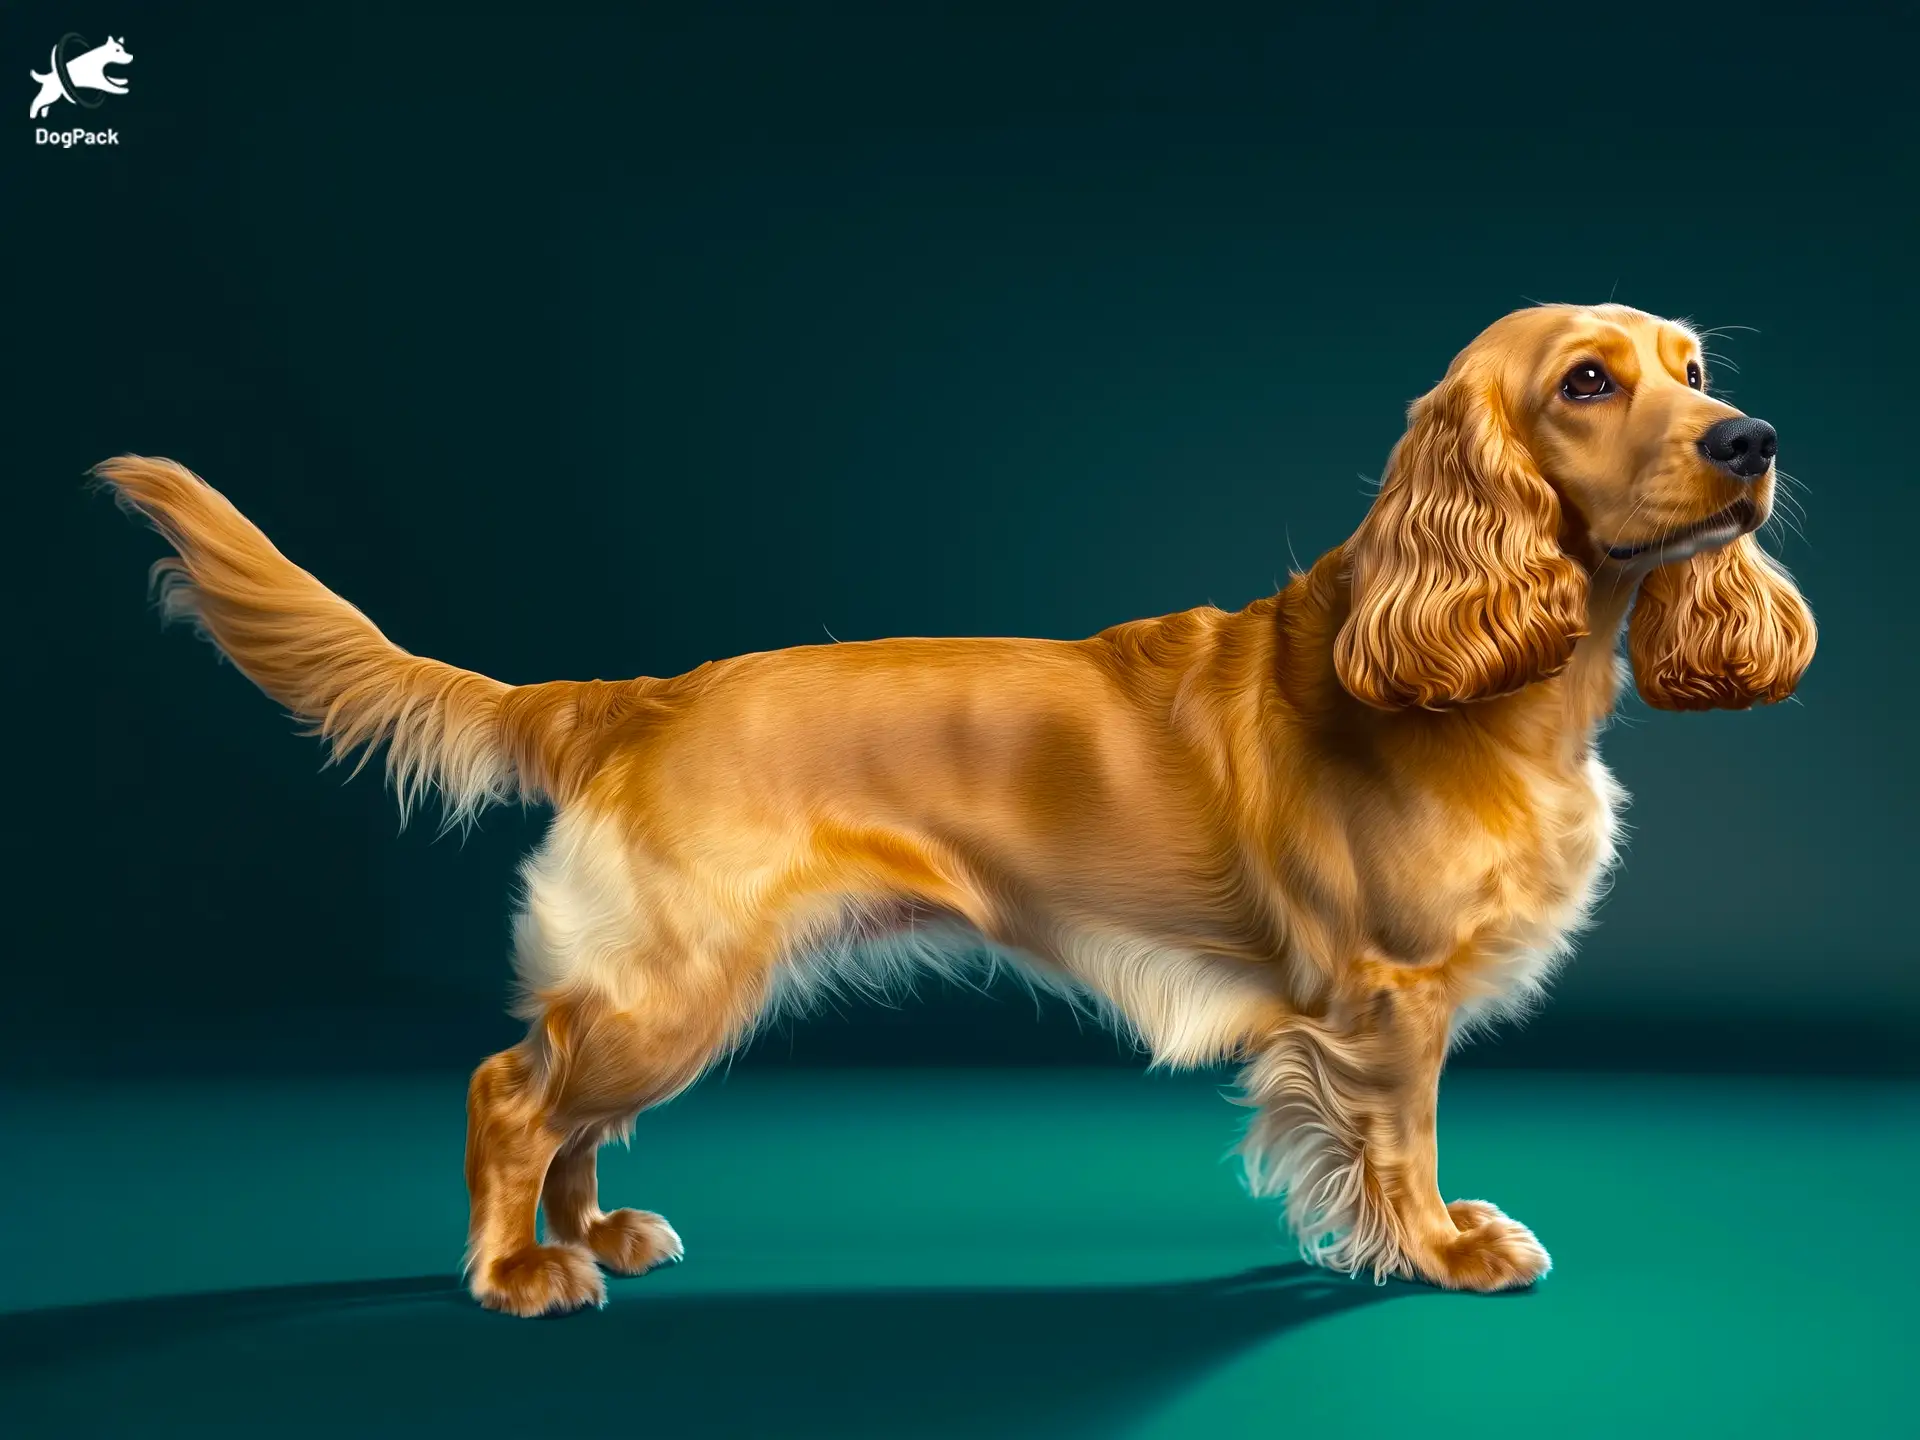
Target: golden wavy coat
{"x":1321,"y":835}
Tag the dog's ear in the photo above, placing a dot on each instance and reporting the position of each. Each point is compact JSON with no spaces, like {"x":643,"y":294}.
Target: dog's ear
{"x":1459,"y":590}
{"x":1725,"y":630}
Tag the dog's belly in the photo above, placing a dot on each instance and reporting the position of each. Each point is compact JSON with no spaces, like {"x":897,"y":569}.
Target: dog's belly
{"x":1184,"y":1006}
{"x":604,"y":914}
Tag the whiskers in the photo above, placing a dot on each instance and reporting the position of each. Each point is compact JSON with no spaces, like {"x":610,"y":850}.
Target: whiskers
{"x":1716,"y":361}
{"x":1789,"y":514}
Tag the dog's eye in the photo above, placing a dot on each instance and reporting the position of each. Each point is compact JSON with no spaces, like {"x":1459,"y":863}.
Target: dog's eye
{"x":1694,"y":377}
{"x":1586,"y":381}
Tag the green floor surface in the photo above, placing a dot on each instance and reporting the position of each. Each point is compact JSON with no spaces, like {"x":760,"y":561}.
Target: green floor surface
{"x":986,"y":1253}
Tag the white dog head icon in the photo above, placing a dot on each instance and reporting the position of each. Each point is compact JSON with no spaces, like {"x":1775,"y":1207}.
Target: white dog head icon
{"x":70,"y":74}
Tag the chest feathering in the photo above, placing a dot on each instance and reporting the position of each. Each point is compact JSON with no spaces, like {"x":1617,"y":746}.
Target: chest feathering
{"x":1543,"y":890}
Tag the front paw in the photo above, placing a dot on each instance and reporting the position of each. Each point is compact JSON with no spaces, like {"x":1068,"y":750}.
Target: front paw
{"x":1491,"y":1252}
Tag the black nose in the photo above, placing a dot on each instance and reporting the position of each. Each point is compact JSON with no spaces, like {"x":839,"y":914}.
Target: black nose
{"x":1743,"y":445}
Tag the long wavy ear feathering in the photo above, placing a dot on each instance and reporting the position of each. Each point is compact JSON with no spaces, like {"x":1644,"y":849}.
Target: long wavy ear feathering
{"x":1725,"y":630}
{"x":1460,"y":589}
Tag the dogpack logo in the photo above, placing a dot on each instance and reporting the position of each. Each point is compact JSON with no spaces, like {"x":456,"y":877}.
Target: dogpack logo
{"x":74,"y":72}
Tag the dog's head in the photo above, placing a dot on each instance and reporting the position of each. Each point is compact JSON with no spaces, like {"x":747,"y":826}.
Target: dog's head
{"x":1569,"y":446}
{"x":114,"y":52}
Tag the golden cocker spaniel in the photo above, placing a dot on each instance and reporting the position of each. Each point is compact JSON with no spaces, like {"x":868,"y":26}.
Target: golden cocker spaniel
{"x":1320,"y":835}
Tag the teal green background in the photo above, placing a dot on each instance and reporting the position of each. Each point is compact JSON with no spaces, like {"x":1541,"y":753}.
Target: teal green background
{"x":600,"y":341}
{"x":582,"y":340}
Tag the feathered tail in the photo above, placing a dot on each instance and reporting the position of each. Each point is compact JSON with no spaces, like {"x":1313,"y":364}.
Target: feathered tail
{"x":474,"y":740}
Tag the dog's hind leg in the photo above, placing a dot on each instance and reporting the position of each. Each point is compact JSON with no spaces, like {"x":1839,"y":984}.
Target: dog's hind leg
{"x":627,"y":1242}
{"x":512,"y":1138}
{"x":537,"y":1113}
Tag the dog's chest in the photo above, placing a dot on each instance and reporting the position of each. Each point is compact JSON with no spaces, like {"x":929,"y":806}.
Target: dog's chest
{"x":1504,"y":889}
{"x":1542,"y":892}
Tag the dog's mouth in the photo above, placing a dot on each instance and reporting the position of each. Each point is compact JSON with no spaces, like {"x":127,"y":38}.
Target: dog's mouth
{"x":1723,"y":525}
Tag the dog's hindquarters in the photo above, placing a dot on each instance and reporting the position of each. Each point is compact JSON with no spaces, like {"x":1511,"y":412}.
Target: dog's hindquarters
{"x":543,"y":1106}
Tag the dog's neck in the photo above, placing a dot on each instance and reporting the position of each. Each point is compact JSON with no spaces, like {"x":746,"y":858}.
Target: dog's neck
{"x":1590,"y":685}
{"x":1555,"y":719}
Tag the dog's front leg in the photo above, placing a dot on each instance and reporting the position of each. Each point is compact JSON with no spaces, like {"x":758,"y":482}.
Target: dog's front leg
{"x":1346,"y":1132}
